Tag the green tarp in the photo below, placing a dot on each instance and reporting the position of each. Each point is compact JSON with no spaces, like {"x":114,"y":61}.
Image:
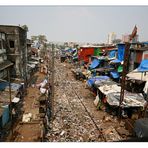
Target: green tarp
{"x":97,"y":52}
{"x":120,"y":68}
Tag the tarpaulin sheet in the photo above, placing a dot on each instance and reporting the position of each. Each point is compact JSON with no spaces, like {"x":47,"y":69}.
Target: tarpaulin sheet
{"x":112,"y":54}
{"x":75,"y":53}
{"x":143,"y":66}
{"x":130,"y":99}
{"x":137,"y":75}
{"x":114,"y":74}
{"x":92,"y":80}
{"x":141,"y":127}
{"x":115,"y":61}
{"x":97,"y":52}
{"x":145,"y":43}
{"x":99,"y":83}
{"x":94,"y":63}
{"x":120,"y":68}
{"x":109,"y":88}
{"x":5,"y":85}
{"x":121,"y":48}
{"x":5,"y":117}
{"x":68,"y":50}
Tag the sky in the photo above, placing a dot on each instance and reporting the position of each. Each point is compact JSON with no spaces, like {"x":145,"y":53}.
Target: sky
{"x":78,"y":23}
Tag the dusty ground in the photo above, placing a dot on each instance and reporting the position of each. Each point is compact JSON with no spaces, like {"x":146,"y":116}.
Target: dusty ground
{"x":30,"y":132}
{"x":72,"y":122}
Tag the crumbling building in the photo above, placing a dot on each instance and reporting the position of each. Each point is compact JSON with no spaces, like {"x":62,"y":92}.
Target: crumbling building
{"x":17,"y":50}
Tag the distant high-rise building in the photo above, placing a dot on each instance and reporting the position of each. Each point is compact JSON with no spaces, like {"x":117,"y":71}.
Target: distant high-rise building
{"x":111,"y":37}
{"x":126,"y":38}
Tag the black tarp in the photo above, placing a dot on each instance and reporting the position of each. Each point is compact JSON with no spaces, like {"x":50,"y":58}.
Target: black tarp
{"x":141,"y":127}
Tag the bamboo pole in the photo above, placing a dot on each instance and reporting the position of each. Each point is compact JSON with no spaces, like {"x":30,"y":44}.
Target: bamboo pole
{"x":52,"y":84}
{"x":8,"y":72}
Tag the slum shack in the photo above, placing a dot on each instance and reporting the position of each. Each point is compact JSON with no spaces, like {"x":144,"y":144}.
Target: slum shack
{"x":33,"y":62}
{"x":137,"y":81}
{"x":86,"y":51}
{"x":134,"y":96}
{"x":6,"y":99}
{"x":138,"y":52}
{"x":105,"y":67}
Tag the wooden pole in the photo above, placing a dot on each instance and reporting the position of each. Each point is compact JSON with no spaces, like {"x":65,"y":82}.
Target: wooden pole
{"x":125,"y":65}
{"x":8,"y":73}
{"x":52,"y":84}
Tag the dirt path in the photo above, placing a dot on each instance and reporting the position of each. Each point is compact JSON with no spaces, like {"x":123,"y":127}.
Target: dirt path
{"x":30,"y":131}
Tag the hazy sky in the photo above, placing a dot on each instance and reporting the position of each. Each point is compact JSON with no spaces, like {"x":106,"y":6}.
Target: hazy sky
{"x":78,"y":23}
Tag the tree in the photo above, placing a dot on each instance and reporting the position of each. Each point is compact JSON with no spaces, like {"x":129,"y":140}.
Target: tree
{"x":42,"y":39}
{"x":33,"y":38}
{"x":25,"y":27}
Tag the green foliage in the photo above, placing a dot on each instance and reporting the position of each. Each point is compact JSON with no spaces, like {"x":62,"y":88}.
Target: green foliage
{"x":25,"y":27}
{"x":41,"y":38}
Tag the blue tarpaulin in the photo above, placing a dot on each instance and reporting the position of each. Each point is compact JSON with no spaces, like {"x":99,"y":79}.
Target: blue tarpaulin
{"x":69,"y":50}
{"x":116,"y":61}
{"x":5,"y":117}
{"x":145,"y":43}
{"x":114,"y":74}
{"x":143,"y":66}
{"x":112,"y":54}
{"x":4,"y":85}
{"x":121,"y":48}
{"x":92,"y":80}
{"x":94,"y":63}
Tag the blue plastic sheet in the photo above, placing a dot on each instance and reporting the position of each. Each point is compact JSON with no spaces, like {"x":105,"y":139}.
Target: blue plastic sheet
{"x":69,"y":50}
{"x":92,"y":80}
{"x":3,"y":85}
{"x":143,"y":66}
{"x":116,"y":61}
{"x":121,"y":48}
{"x":145,"y":43}
{"x":112,"y":54}
{"x":94,"y":63}
{"x":114,"y":74}
{"x":14,"y":86}
{"x":5,"y":117}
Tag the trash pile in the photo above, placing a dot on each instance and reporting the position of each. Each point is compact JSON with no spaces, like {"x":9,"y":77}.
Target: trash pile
{"x":71,"y":120}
